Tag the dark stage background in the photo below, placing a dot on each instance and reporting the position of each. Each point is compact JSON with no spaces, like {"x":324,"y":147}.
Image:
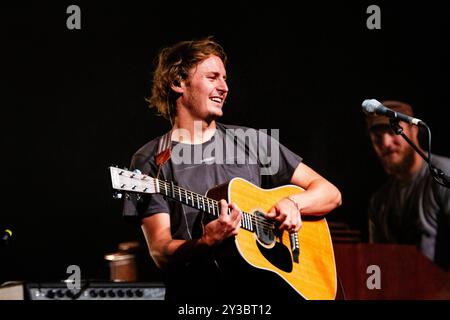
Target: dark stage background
{"x":73,"y":103}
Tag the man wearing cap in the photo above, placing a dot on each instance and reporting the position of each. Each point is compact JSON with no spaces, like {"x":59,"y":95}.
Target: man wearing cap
{"x":410,"y":208}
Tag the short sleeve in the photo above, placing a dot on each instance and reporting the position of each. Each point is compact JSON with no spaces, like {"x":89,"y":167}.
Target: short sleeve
{"x":277,"y":162}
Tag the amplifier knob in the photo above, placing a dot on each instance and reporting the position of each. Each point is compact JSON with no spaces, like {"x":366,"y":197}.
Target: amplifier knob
{"x":93,"y":294}
{"x":129,"y":293}
{"x":50,"y":294}
{"x":59,"y":293}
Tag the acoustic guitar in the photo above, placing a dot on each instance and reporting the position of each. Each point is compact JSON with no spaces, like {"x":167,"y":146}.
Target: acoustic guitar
{"x":305,"y":260}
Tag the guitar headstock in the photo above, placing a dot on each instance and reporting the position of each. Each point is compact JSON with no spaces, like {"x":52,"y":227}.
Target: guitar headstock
{"x":125,"y":180}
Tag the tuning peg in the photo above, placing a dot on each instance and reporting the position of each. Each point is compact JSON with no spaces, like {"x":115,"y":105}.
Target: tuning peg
{"x":127,"y":196}
{"x":138,"y":197}
{"x":117,"y":195}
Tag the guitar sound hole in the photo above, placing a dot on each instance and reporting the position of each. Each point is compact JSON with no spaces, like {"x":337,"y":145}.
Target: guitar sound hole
{"x":264,"y":230}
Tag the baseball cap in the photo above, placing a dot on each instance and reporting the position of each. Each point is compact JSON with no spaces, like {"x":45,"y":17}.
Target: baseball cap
{"x":374,"y":120}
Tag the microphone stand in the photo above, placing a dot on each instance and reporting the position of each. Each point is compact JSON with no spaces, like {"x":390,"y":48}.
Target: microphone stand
{"x":435,"y":172}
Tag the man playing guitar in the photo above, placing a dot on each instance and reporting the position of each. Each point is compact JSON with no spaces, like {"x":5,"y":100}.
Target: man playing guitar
{"x":190,"y":89}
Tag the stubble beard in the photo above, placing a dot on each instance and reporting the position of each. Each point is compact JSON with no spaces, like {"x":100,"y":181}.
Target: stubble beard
{"x":402,"y":167}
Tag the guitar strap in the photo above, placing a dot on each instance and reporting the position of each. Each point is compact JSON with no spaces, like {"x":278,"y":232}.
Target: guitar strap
{"x":164,"y":151}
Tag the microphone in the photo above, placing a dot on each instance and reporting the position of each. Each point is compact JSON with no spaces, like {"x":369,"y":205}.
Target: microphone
{"x":372,"y":106}
{"x":5,"y":236}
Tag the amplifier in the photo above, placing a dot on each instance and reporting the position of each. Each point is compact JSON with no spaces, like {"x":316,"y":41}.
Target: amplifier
{"x":96,"y":291}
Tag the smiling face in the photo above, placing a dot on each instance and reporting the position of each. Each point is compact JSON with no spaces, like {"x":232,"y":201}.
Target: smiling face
{"x":203,"y":93}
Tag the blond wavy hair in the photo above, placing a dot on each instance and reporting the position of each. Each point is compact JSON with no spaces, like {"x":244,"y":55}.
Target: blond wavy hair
{"x":172,"y":66}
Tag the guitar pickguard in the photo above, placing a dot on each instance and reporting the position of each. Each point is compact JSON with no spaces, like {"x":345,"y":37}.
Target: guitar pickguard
{"x":279,"y":255}
{"x":269,"y":243}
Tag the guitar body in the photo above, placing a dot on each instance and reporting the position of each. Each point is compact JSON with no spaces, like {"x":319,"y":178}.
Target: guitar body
{"x":313,"y":273}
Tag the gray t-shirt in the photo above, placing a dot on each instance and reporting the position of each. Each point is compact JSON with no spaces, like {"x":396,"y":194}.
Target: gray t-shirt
{"x":202,"y":279}
{"x":200,"y":167}
{"x":414,"y":212}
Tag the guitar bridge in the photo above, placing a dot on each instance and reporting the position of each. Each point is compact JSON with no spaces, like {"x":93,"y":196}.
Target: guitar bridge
{"x":295,"y":246}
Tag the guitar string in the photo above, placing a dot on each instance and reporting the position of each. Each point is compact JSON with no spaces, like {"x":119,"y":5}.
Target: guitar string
{"x":257,"y":220}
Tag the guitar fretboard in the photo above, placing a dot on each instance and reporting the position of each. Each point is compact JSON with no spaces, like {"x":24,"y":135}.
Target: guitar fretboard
{"x":199,"y":202}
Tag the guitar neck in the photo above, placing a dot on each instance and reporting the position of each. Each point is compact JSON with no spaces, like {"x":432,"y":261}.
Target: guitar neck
{"x":200,"y":202}
{"x":187,"y":197}
{"x":137,"y":182}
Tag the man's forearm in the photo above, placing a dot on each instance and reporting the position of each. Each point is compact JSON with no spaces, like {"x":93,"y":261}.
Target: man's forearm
{"x":320,"y":198}
{"x":180,"y":251}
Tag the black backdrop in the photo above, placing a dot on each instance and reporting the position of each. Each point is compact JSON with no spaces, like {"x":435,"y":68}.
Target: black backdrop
{"x":73,"y":103}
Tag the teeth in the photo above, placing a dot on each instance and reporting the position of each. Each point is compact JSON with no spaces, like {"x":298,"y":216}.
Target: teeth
{"x":216,"y":100}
